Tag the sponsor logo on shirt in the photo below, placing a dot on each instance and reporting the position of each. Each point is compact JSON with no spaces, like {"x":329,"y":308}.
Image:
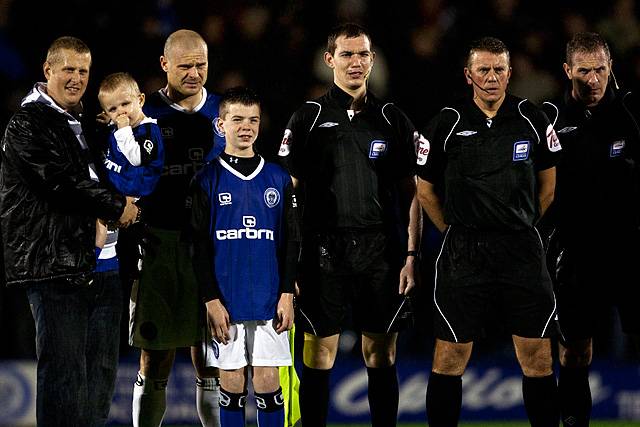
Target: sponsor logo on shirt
{"x":183,"y":169}
{"x":196,"y":154}
{"x":249,"y":221}
{"x":520,"y":151}
{"x":249,"y":231}
{"x":284,"y":145}
{"x":167,"y":132}
{"x":467,"y":133}
{"x":567,"y":129}
{"x":423,"y":150}
{"x":224,"y":199}
{"x":616,"y":148}
{"x":271,"y":197}
{"x":328,"y":125}
{"x":552,"y":140}
{"x":377,"y":148}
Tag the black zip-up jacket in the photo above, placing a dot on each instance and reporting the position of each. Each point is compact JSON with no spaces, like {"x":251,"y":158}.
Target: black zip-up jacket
{"x":598,"y":185}
{"x":48,"y":201}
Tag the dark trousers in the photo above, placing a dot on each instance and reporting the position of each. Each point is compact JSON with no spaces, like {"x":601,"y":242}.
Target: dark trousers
{"x":77,"y":343}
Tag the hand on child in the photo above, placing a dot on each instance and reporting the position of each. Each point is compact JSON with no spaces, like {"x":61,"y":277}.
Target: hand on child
{"x":101,"y":233}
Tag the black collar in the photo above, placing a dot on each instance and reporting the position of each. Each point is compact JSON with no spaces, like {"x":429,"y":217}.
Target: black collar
{"x":578,"y":106}
{"x":507,"y":108}
{"x":245,"y":165}
{"x":344,"y":100}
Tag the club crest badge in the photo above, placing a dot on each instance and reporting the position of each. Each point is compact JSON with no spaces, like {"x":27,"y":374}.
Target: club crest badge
{"x":217,"y":128}
{"x":271,"y":197}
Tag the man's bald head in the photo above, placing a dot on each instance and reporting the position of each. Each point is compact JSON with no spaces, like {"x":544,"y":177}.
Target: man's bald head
{"x":186,"y":39}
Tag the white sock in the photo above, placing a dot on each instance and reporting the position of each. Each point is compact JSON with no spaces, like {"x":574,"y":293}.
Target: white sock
{"x":208,"y":401}
{"x":149,"y":401}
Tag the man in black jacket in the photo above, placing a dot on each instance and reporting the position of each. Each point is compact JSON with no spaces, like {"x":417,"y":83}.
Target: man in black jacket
{"x":50,"y":198}
{"x":595,"y":247}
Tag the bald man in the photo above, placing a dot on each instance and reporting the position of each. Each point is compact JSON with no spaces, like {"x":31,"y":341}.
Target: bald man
{"x":166,"y":308}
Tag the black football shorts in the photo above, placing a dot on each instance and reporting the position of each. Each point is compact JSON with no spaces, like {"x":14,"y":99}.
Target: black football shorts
{"x":350,"y":270}
{"x":483,"y":275}
{"x":592,"y":276}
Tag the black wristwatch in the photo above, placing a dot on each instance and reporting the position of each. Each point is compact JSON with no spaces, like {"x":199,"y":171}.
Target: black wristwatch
{"x":413,"y":253}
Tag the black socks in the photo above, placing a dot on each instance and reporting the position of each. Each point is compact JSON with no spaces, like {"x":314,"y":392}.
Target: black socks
{"x":575,"y":396}
{"x":444,"y":399}
{"x":541,"y":400}
{"x":314,"y":396}
{"x":383,"y":396}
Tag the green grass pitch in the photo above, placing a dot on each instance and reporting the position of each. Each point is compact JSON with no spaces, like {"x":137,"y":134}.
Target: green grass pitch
{"x":594,"y":423}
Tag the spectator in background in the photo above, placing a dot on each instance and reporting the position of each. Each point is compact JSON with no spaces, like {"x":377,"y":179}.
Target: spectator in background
{"x":50,"y":198}
{"x":621,"y":27}
{"x":531,"y":82}
{"x":598,"y":183}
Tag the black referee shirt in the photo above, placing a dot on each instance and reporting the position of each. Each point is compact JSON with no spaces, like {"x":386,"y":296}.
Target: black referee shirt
{"x":597,"y":176}
{"x":486,"y":169}
{"x":348,"y":163}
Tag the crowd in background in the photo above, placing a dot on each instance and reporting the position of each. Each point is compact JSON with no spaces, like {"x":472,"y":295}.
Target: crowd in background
{"x":275,"y":48}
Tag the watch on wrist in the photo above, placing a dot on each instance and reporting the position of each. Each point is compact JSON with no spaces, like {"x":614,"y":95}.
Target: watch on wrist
{"x":413,"y":253}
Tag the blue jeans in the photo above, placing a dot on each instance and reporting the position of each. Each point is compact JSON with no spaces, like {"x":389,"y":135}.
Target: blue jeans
{"x":77,"y":344}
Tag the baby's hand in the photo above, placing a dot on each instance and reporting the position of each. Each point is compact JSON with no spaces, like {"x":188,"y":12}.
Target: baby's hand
{"x":122,"y":121}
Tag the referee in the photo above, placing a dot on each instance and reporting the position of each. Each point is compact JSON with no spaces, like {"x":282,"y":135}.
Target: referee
{"x":486,"y":174}
{"x":595,"y":247}
{"x":353,"y":157}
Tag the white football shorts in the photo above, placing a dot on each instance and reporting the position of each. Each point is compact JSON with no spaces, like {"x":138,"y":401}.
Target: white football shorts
{"x":253,"y":343}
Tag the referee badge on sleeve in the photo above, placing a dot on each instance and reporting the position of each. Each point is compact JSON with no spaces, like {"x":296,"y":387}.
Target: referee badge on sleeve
{"x":520,"y":151}
{"x":616,"y":148}
{"x":377,"y":148}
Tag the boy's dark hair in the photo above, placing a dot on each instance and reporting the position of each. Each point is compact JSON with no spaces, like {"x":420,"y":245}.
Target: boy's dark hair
{"x":586,"y":42}
{"x":488,"y":44}
{"x":237,"y":95}
{"x":349,"y":30}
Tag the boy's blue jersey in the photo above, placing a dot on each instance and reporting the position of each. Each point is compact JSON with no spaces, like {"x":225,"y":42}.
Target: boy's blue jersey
{"x":137,"y":180}
{"x":190,"y":139}
{"x":247,"y":228}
